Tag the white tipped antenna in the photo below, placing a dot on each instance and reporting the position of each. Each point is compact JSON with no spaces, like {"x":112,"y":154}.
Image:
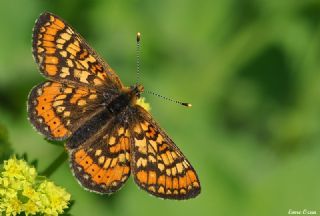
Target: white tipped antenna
{"x":169,"y":99}
{"x":138,"y":56}
{"x":138,"y":38}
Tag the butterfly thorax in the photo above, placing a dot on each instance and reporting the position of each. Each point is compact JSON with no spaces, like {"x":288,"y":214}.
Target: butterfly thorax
{"x":129,"y":96}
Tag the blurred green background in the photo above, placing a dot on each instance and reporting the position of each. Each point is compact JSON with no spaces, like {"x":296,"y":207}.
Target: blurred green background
{"x":250,"y":68}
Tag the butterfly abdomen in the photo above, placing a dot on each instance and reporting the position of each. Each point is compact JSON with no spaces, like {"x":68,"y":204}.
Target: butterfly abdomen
{"x":99,"y":120}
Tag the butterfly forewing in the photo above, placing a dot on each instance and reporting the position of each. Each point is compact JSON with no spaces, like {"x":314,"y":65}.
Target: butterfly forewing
{"x":157,"y":164}
{"x":64,"y":56}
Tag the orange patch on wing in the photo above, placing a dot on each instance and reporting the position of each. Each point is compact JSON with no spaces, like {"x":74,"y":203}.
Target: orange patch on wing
{"x":45,"y":110}
{"x":192,"y":176}
{"x":51,"y":60}
{"x":168,"y":182}
{"x":151,"y":133}
{"x":98,"y":178}
{"x":93,"y":169}
{"x":51,"y":31}
{"x":51,"y":69}
{"x":48,"y":44}
{"x":175,"y":183}
{"x":142,"y":176}
{"x":48,"y":37}
{"x":182,"y":182}
{"x":152,"y":178}
{"x":161,"y":180}
{"x":59,"y":23}
{"x":50,"y":50}
{"x":81,"y":92}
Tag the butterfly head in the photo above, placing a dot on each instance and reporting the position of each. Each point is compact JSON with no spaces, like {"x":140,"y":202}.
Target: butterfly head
{"x":136,"y":90}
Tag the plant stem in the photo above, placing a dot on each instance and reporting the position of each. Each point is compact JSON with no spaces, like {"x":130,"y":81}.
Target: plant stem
{"x":55,"y":164}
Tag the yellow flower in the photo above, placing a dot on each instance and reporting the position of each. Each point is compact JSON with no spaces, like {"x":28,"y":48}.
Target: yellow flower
{"x":145,"y":105}
{"x":22,"y":190}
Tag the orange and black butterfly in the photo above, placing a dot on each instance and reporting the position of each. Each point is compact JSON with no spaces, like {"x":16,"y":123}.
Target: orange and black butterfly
{"x":108,"y":134}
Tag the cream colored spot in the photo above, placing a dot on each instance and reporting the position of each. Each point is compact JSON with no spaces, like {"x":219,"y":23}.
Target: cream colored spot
{"x":179,"y":167}
{"x":40,"y":49}
{"x":67,"y":90}
{"x":185,"y":164}
{"x":65,"y":36}
{"x":63,"y":53}
{"x":174,"y":171}
{"x":82,"y":102}
{"x":161,"y":189}
{"x":141,"y":144}
{"x":168,"y":171}
{"x":161,"y":167}
{"x":107,"y":163}
{"x":183,"y":191}
{"x":82,"y":75}
{"x":93,"y":96}
{"x":165,"y":159}
{"x":60,"y":46}
{"x":69,"y":31}
{"x":112,"y":140}
{"x":170,"y":157}
{"x":66,"y":114}
{"x":61,"y":97}
{"x":57,"y":103}
{"x":127,"y":156}
{"x":195,"y":184}
{"x":60,"y":109}
{"x":145,"y":126}
{"x":141,"y":162}
{"x":121,"y":131}
{"x":151,"y":188}
{"x":174,"y":155}
{"x":101,"y":159}
{"x":97,"y":81}
{"x":159,"y":139}
{"x":98,"y":152}
{"x":154,"y":145}
{"x":169,"y":192}
{"x":39,"y":91}
{"x":61,"y":41}
{"x":64,"y":72}
{"x":137,"y":129}
{"x":122,"y":158}
{"x":114,"y":162}
{"x":152,"y":159}
{"x":70,"y":63}
{"x":175,"y":192}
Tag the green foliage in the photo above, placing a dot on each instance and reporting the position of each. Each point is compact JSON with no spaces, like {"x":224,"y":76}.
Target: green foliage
{"x":5,"y":147}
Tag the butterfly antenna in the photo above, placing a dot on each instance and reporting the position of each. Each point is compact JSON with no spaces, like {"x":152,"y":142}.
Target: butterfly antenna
{"x":138,"y":56}
{"x":169,"y":99}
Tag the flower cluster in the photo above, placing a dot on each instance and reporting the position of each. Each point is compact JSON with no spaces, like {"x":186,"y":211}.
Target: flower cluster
{"x":22,"y":190}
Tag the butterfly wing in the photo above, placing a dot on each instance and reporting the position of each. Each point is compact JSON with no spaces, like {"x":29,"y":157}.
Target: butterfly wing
{"x":103,"y":165}
{"x":56,"y":110}
{"x":158,"y":166}
{"x":64,"y":56}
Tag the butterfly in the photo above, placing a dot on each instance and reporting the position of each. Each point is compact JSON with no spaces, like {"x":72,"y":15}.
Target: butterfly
{"x":108,"y":134}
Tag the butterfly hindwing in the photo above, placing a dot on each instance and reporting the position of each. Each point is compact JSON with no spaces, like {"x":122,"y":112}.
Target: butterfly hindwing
{"x":103,"y":165}
{"x":157,"y":164}
{"x":57,"y":109}
{"x":63,"y":55}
